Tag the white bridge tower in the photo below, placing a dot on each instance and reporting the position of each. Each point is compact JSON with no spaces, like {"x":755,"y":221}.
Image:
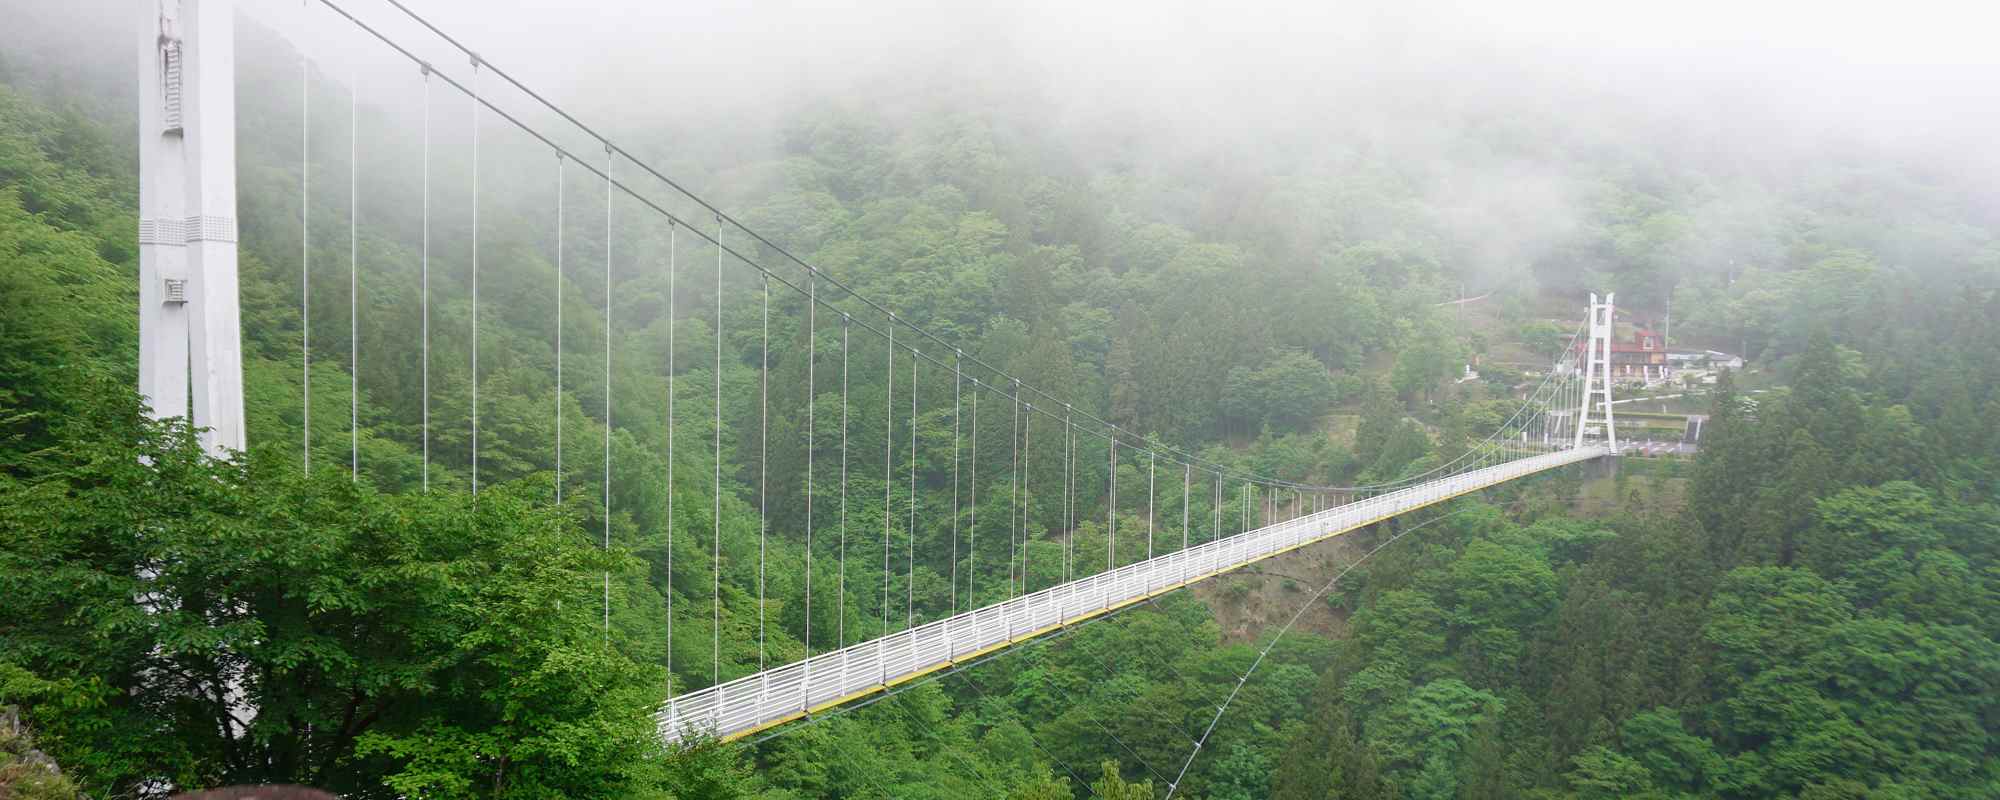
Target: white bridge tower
{"x":190,"y":347}
{"x":1596,"y":363}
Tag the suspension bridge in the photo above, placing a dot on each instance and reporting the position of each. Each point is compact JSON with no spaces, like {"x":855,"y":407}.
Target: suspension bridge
{"x":190,"y":366}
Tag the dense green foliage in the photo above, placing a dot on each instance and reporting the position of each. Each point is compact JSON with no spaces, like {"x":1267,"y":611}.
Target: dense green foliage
{"x":414,"y":643}
{"x":1817,"y":621}
{"x":399,"y":641}
{"x":1820,"y":622}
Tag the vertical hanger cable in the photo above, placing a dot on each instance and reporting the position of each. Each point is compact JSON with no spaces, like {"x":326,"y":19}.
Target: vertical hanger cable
{"x":715,"y":511}
{"x":608,"y":297}
{"x":910,"y":602}
{"x":476,"y":106}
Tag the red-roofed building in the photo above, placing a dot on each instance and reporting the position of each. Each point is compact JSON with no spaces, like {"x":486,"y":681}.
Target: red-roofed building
{"x":1642,"y":358}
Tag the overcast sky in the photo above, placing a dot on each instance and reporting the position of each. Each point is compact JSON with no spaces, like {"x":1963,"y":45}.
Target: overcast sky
{"x":1888,"y":53}
{"x":1758,"y":88}
{"x":1925,"y":69}
{"x":1920,"y":77}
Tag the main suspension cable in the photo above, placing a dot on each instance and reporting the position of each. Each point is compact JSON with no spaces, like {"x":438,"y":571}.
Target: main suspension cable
{"x":760,"y":239}
{"x":1113,"y":431}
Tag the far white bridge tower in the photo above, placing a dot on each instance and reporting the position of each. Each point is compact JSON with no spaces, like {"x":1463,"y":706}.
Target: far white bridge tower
{"x":1596,"y":363}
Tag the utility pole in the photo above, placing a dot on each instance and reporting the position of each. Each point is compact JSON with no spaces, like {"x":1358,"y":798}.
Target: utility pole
{"x":190,"y":347}
{"x":1458,"y":321}
{"x":1667,"y":331}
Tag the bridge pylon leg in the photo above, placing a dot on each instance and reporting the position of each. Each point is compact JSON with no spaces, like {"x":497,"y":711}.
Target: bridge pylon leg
{"x":190,"y":343}
{"x":1597,"y":374}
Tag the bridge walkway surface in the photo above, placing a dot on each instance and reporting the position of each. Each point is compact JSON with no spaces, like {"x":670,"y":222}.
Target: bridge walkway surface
{"x":775,"y":696}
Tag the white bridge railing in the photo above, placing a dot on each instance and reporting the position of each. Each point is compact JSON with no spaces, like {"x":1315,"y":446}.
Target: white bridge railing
{"x":762,"y":700}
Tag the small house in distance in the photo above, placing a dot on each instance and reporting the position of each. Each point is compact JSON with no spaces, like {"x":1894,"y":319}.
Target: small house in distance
{"x":1642,"y":358}
{"x":1700,"y":366}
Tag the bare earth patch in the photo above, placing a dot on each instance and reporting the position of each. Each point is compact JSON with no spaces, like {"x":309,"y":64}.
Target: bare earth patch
{"x":1250,"y":601}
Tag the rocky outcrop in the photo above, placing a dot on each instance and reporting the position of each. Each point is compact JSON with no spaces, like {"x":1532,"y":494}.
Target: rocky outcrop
{"x":27,"y":773}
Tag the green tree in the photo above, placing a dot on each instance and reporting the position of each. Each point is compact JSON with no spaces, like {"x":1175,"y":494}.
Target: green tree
{"x":1426,"y":733}
{"x":268,"y":626}
{"x":1113,"y":786}
{"x":1287,"y":393}
{"x":1325,"y":757}
{"x":1044,"y":786}
{"x":1603,"y":774}
{"x":1431,"y":358}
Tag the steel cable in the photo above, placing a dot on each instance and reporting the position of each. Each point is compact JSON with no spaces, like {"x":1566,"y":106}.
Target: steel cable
{"x":1114,"y":431}
{"x":475,"y":273}
{"x":1254,"y":663}
{"x":353,"y":276}
{"x":608,"y":197}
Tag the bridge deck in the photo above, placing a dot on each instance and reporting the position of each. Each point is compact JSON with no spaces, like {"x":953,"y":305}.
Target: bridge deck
{"x":754,"y":702}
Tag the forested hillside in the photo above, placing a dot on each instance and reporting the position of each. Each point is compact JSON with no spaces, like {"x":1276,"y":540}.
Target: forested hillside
{"x":1818,"y":618}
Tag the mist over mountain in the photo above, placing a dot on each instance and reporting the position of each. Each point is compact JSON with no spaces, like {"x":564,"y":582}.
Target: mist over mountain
{"x":1298,"y":254}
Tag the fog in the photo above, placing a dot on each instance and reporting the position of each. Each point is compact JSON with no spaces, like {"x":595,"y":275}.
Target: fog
{"x":1268,"y":90}
{"x":1922,"y":72}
